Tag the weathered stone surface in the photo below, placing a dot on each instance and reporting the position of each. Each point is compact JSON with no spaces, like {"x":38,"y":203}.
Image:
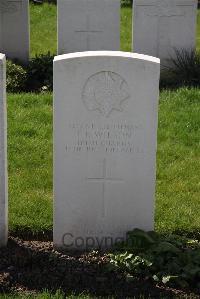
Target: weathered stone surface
{"x":163,"y":26}
{"x":105,"y":131}
{"x":88,"y":25}
{"x":14,"y":29}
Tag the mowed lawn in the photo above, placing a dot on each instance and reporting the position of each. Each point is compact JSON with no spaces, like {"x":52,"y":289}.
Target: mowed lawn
{"x":178,"y":162}
{"x":44,"y":29}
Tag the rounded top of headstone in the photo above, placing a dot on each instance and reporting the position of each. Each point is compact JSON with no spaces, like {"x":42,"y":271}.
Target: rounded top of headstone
{"x":107,"y":54}
{"x":2,"y":56}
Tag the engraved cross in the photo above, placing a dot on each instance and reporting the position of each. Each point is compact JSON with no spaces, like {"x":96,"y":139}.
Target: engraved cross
{"x":163,"y":10}
{"x":88,"y":31}
{"x":103,"y":180}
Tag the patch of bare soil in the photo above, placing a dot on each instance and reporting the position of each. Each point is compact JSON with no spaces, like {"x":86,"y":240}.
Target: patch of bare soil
{"x":32,"y":266}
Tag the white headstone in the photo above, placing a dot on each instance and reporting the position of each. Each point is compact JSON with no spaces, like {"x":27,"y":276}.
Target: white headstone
{"x":14,"y":29}
{"x":163,"y":26}
{"x":105,"y":131}
{"x":88,"y":25}
{"x":3,"y":155}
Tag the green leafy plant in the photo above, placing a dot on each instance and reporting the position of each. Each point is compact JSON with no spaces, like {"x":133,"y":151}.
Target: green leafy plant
{"x":40,"y":73}
{"x":171,"y":260}
{"x":36,"y":76}
{"x":16,"y":77}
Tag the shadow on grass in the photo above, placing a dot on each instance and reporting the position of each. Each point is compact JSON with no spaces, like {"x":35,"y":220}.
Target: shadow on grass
{"x":47,"y":235}
{"x":35,"y":266}
{"x":28,"y":234}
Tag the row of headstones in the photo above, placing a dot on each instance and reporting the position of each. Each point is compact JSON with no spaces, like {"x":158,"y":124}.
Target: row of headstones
{"x":105,"y":128}
{"x":105,"y":131}
{"x":160,"y":26}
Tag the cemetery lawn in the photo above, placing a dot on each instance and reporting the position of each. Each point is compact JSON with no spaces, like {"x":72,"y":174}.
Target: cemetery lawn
{"x":30,"y":163}
{"x":44,"y":29}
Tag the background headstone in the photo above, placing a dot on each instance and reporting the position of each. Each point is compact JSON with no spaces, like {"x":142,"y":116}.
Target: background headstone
{"x":161,"y":26}
{"x":88,"y":25}
{"x":14,"y":29}
{"x":3,"y":155}
{"x":105,"y":132}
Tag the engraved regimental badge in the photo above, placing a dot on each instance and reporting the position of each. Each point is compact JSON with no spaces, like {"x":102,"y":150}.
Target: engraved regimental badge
{"x":105,"y":92}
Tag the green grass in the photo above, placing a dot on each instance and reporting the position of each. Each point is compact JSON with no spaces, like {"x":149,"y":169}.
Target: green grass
{"x":30,"y":161}
{"x":126,"y":29}
{"x":178,"y":163}
{"x":178,"y":166}
{"x":43,"y":26}
{"x":44,"y":29}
